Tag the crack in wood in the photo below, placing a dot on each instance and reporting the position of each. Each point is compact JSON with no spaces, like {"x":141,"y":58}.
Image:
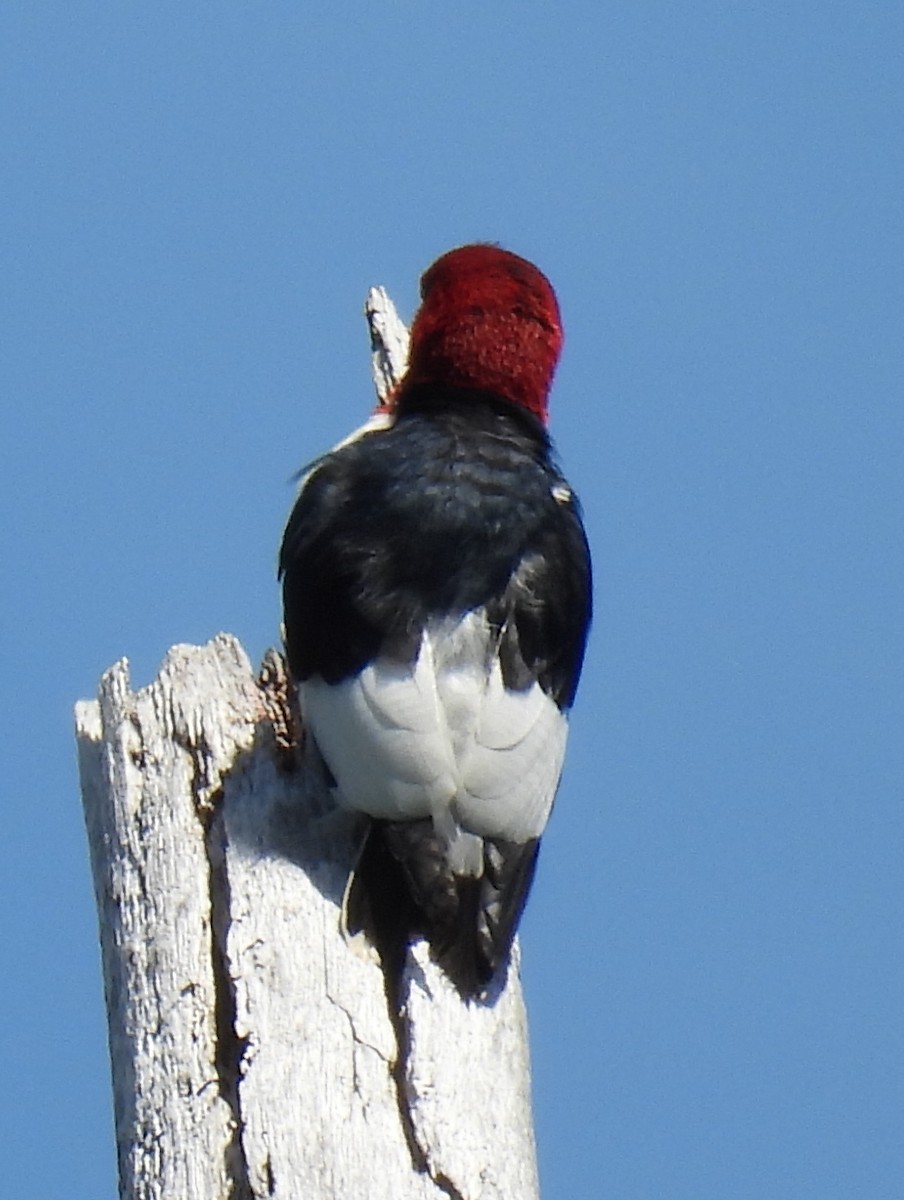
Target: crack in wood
{"x":398,"y":1069}
{"x":230,"y":1048}
{"x":420,"y":1158}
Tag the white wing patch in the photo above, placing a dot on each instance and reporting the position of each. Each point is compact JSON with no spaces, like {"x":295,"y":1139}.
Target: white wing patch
{"x":443,"y":738}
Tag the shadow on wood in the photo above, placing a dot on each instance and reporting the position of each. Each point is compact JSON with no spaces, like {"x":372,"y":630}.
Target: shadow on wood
{"x":252,"y":1050}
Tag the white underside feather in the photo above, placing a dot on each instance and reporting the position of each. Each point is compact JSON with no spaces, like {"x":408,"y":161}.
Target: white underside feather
{"x":443,"y":738}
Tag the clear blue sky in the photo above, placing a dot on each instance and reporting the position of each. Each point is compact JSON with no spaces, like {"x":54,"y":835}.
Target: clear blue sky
{"x":195,"y":200}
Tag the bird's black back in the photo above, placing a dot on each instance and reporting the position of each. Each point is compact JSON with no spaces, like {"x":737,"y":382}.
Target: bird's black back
{"x":458,"y":506}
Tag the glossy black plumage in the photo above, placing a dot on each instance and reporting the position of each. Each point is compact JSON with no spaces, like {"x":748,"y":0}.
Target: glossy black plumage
{"x":457,"y":507}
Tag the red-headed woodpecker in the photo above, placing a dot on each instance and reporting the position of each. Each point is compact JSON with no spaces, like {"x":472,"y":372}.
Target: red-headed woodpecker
{"x":436,"y":584}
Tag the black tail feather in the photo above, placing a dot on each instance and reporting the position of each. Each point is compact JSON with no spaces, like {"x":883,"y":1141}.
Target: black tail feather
{"x":403,"y":887}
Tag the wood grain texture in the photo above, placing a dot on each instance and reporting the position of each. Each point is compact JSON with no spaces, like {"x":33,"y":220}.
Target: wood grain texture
{"x":253,"y":1050}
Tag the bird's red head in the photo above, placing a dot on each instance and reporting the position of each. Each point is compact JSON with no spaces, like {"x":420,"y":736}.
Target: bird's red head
{"x":489,"y":320}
